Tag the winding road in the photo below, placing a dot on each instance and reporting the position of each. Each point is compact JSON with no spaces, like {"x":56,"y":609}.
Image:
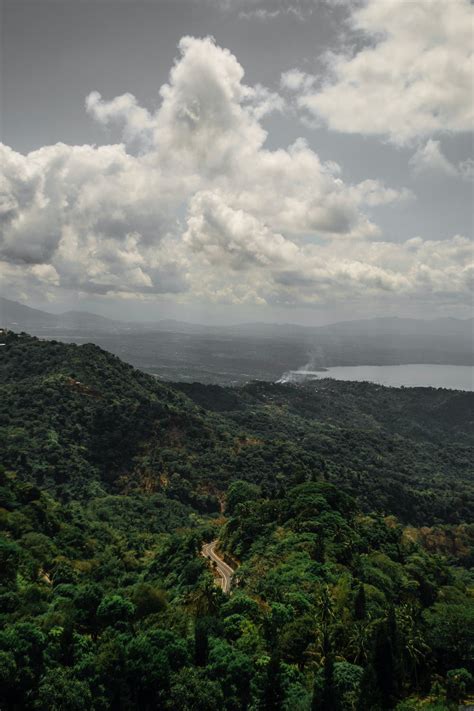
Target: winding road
{"x":224,"y":570}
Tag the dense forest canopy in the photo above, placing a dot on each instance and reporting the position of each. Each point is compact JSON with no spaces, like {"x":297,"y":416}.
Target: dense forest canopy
{"x":346,"y":509}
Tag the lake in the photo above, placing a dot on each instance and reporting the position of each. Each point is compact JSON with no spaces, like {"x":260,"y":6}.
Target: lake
{"x":453,"y":377}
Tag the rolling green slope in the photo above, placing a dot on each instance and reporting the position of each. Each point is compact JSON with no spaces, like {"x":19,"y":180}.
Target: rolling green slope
{"x":75,"y":417}
{"x":402,"y":451}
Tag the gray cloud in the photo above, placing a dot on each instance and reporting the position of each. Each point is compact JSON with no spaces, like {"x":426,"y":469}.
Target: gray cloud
{"x":430,"y":159}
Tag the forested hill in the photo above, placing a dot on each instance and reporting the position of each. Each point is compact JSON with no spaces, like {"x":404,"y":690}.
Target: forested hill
{"x":345,"y":507}
{"x":77,"y":419}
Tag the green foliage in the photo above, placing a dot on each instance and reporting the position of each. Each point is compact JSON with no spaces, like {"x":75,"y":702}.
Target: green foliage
{"x":450,"y":632}
{"x":114,"y":609}
{"x":239,"y":492}
{"x":113,"y":481}
{"x":60,"y":690}
{"x":148,"y":599}
{"x":78,"y":421}
{"x":459,"y":683}
{"x":191,"y":690}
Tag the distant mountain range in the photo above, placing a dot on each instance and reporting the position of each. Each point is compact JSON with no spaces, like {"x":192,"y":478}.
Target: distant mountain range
{"x":16,"y":316}
{"x":178,"y":350}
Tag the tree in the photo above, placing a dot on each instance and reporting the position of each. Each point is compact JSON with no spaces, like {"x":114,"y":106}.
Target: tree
{"x":295,"y":639}
{"x":233,"y":669}
{"x":273,"y":692}
{"x":191,"y":690}
{"x":450,"y":631}
{"x":347,"y":683}
{"x":147,"y":671}
{"x":60,"y":690}
{"x":25,"y":643}
{"x":87,"y":599}
{"x":9,"y":560}
{"x":239,"y":492}
{"x":459,"y":684}
{"x":115,"y":609}
{"x":324,"y":693}
{"x":148,"y":600}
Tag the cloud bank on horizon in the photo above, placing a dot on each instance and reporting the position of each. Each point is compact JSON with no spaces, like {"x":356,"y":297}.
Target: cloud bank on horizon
{"x":193,"y":205}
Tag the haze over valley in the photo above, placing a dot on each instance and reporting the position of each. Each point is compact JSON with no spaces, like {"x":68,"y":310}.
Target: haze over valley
{"x":256,"y":351}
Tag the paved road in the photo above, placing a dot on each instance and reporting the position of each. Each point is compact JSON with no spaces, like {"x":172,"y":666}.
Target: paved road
{"x":224,"y":570}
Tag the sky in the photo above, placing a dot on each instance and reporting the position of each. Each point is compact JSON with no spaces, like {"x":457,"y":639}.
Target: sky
{"x":221,"y":161}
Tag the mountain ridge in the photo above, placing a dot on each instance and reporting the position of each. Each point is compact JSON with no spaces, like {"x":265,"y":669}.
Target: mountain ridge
{"x":120,"y":426}
{"x":10,"y":309}
{"x":176,"y":351}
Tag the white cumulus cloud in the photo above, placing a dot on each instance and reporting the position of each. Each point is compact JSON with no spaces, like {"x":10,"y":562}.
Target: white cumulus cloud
{"x":412,"y":79}
{"x":193,"y":203}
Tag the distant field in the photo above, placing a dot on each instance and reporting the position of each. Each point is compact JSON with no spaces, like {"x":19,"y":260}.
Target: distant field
{"x":229,"y":358}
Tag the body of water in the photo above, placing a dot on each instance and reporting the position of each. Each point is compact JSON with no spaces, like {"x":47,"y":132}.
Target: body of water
{"x":412,"y":375}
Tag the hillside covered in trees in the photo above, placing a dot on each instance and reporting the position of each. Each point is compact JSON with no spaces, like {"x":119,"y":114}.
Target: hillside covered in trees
{"x":346,"y":509}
